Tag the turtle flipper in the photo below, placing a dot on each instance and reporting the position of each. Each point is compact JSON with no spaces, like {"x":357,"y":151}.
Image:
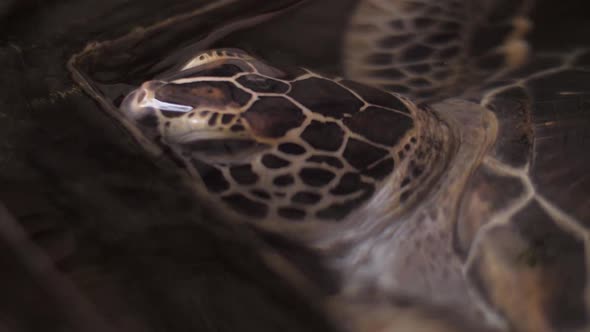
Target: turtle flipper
{"x":523,"y":228}
{"x":433,"y":49}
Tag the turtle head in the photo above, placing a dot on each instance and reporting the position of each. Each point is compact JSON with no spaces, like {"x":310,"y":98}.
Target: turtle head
{"x":280,"y":143}
{"x":214,"y":106}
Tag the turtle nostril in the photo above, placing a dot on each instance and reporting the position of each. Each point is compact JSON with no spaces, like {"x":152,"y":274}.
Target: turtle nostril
{"x":141,"y":95}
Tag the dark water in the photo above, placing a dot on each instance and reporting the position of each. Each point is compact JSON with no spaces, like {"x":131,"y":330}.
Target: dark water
{"x":131,"y":250}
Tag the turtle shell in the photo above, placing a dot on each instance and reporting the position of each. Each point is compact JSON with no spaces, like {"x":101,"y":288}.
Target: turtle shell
{"x":524,"y":223}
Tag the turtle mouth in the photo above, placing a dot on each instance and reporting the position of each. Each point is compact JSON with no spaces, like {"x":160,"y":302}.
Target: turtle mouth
{"x":223,"y":149}
{"x":216,"y":146}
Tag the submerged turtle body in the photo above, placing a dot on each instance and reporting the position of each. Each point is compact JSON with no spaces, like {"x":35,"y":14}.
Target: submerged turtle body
{"x":327,"y":162}
{"x":442,"y":192}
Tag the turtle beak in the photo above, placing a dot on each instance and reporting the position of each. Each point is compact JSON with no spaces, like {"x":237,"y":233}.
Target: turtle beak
{"x":136,"y":106}
{"x":207,"y":130}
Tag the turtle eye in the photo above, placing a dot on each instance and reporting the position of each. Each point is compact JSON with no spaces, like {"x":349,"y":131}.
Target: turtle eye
{"x":259,"y":83}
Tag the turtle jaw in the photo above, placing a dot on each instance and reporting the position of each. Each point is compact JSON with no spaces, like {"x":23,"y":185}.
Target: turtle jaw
{"x":198,"y":133}
{"x":210,"y":138}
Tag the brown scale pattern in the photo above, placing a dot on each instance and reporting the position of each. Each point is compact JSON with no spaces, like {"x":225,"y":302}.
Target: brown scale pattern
{"x":331,"y":167}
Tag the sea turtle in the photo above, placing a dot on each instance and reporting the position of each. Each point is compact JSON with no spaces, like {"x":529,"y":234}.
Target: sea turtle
{"x":446,"y":180}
